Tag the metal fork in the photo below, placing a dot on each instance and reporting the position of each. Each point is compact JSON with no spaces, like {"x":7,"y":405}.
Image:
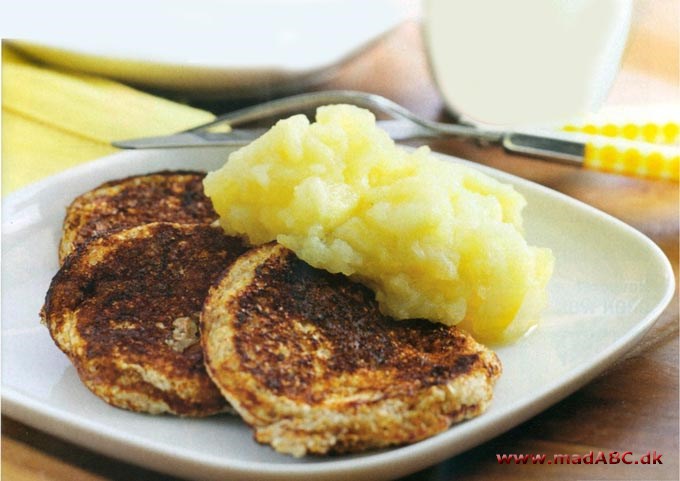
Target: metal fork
{"x":566,"y":147}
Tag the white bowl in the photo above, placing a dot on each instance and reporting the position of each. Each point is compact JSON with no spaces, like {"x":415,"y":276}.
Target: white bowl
{"x":202,"y":48}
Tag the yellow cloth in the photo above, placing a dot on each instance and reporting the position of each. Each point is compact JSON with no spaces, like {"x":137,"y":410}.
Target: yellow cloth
{"x":53,"y":119}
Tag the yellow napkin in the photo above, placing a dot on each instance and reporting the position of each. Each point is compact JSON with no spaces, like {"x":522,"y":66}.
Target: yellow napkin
{"x":53,"y":119}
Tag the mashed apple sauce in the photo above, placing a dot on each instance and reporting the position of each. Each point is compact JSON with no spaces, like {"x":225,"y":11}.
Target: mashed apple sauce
{"x":432,"y":238}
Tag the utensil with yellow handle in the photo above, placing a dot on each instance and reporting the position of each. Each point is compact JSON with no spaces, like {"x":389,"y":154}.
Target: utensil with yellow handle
{"x":590,"y":150}
{"x":603,"y":152}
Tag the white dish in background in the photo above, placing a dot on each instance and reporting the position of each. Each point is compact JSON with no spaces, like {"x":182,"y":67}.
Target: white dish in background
{"x":533,"y":63}
{"x":204,"y":48}
{"x":609,"y":286}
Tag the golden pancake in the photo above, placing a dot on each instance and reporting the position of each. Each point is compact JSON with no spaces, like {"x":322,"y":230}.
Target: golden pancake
{"x":307,"y":359}
{"x":159,"y":197}
{"x":125,"y":307}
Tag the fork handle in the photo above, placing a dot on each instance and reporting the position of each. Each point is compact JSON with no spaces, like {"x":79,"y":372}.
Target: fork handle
{"x":598,"y":152}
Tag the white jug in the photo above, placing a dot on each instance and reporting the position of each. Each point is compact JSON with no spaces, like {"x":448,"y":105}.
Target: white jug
{"x":525,"y":63}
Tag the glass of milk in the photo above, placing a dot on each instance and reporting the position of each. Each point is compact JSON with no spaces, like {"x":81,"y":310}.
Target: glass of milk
{"x":525,"y":63}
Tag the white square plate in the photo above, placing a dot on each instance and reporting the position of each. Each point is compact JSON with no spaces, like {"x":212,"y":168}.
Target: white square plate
{"x":609,"y":286}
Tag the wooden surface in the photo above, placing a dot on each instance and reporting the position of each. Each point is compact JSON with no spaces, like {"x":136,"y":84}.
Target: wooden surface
{"x":631,"y":407}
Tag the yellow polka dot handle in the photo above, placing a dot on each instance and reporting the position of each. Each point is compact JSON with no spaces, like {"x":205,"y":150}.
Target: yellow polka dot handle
{"x":667,"y":133}
{"x":642,"y":151}
{"x":633,"y":157}
{"x":650,"y":149}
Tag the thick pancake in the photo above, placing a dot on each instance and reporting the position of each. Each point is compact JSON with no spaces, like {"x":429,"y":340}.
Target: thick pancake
{"x":125,"y":309}
{"x":306,"y":358}
{"x":159,"y":197}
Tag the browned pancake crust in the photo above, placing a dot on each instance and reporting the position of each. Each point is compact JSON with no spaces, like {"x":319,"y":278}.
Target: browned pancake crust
{"x":121,"y":306}
{"x":306,"y":358}
{"x":159,"y":197}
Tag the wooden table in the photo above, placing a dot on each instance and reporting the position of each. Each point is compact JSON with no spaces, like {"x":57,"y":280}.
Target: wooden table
{"x":631,"y":407}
